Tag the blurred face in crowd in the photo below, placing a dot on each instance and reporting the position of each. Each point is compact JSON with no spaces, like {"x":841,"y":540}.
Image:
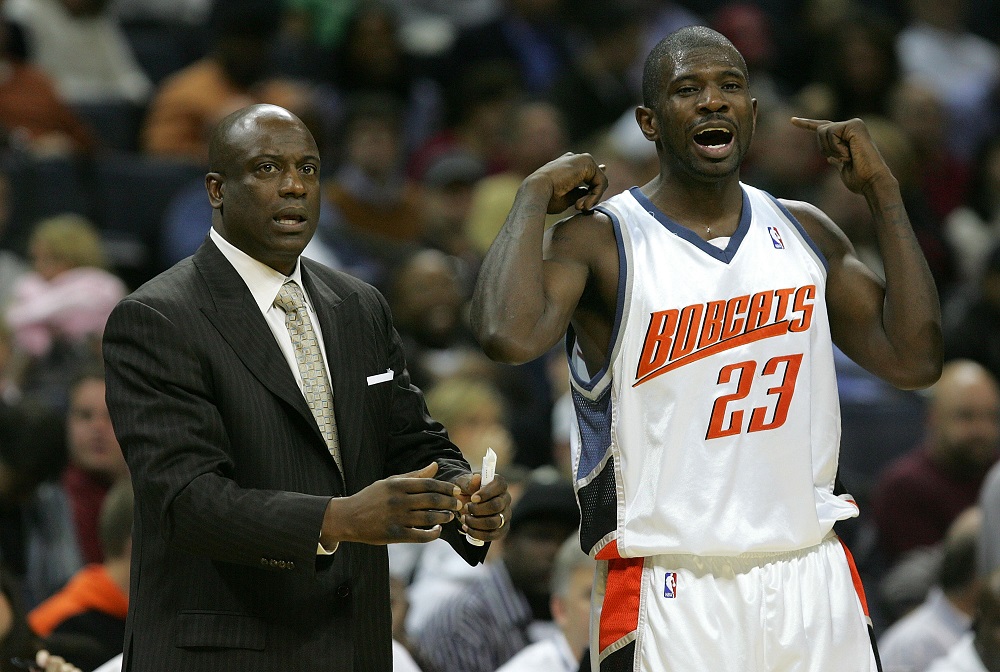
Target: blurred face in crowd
{"x":572,"y":610}
{"x":92,"y":443}
{"x":530,"y":551}
{"x":964,"y":419}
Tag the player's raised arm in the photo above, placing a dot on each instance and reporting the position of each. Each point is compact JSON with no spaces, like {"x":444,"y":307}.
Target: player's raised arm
{"x":522,"y":302}
{"x":893,"y":329}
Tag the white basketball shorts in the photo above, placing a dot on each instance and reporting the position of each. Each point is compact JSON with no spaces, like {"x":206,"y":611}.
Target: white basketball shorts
{"x":800,"y":611}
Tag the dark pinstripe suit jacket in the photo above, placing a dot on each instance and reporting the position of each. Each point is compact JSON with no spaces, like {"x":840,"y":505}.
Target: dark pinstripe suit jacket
{"x":232,"y":476}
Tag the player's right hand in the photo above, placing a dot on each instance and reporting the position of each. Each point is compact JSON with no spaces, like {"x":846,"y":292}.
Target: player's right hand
{"x":575,"y":180}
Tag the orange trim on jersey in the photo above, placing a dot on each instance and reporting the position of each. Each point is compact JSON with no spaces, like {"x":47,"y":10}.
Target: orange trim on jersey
{"x":858,"y":588}
{"x":776,"y":329}
{"x":609,"y":552}
{"x":620,"y":611}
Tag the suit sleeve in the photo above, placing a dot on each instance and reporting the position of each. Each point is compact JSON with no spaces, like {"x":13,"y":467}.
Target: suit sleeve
{"x":416,"y":439}
{"x":159,"y":393}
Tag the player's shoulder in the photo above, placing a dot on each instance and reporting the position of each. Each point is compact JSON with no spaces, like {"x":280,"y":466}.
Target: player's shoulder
{"x":829,"y":238}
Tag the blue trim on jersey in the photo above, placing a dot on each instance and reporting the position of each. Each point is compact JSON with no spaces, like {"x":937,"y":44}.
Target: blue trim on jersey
{"x":594,"y":419}
{"x":687,"y":234}
{"x":619,"y":312}
{"x":802,"y":230}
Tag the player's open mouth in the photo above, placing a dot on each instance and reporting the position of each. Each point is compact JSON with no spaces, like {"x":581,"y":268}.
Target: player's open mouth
{"x":715,"y":140}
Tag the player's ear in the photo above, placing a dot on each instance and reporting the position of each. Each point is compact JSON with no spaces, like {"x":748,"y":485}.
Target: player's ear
{"x":648,"y":123}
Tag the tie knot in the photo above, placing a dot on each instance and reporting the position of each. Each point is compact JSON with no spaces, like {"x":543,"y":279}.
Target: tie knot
{"x":290,"y":297}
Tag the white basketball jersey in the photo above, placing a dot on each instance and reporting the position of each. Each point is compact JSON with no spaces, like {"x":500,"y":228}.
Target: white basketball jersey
{"x":714,"y":428}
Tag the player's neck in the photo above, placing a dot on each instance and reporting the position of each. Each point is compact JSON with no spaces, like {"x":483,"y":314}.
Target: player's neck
{"x":709,"y":208}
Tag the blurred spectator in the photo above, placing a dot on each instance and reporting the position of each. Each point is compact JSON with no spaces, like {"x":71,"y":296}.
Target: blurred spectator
{"x":370,"y":59}
{"x":374,"y":208}
{"x":81,"y":46}
{"x":979,"y":650}
{"x":749,"y":27}
{"x":857,"y":71}
{"x":94,"y":602}
{"x":429,"y":27}
{"x":321,"y":24}
{"x":989,"y":542}
{"x":63,"y":515}
{"x":479,"y":105}
{"x":428,"y":302}
{"x":69,"y":295}
{"x":12,"y":266}
{"x":236,"y":73}
{"x":448,"y":185}
{"x":32,"y":450}
{"x":782,"y":159}
{"x":33,"y":115}
{"x":572,"y":581}
{"x":919,"y":495}
{"x":972,"y":323}
{"x":530,"y":34}
{"x":974,"y":229}
{"x":940,"y":175}
{"x":507,"y":607}
{"x":536,"y":135}
{"x":597,"y":86}
{"x":630,"y":159}
{"x":927,"y":632}
{"x":17,"y":643}
{"x":938,"y":49}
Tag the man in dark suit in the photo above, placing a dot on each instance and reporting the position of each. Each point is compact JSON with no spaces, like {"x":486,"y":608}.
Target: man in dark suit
{"x":261,"y":518}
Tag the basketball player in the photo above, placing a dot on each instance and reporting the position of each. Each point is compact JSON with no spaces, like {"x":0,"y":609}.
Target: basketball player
{"x":700,"y":315}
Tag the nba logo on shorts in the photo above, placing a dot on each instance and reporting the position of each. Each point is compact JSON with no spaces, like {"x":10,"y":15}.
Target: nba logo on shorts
{"x":775,"y":238}
{"x":670,"y":584}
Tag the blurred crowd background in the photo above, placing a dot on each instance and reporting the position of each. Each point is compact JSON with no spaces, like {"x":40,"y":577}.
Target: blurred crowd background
{"x":428,"y":114}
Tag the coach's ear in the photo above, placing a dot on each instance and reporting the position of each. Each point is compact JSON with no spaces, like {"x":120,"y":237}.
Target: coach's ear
{"x":213,"y":185}
{"x":648,"y":123}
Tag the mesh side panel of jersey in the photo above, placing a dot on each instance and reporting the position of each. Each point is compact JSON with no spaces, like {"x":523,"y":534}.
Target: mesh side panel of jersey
{"x":598,"y":507}
{"x":594,"y":419}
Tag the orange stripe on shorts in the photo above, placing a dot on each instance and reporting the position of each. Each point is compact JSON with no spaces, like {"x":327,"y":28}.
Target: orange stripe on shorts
{"x":620,"y":611}
{"x":858,"y":588}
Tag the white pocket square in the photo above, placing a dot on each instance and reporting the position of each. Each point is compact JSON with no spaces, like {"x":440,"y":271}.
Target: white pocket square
{"x":380,"y":377}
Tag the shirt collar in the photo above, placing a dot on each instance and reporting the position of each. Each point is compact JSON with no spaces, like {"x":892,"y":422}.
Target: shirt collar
{"x":262,"y":280}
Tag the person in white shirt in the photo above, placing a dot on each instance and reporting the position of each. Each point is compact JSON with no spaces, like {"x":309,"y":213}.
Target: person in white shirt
{"x":978,"y":651}
{"x":572,"y":581}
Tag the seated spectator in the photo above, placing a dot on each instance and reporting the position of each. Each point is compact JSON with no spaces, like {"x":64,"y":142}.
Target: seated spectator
{"x":18,"y":644}
{"x":930,"y":630}
{"x":95,"y":601}
{"x":33,"y":115}
{"x":972,"y":321}
{"x":507,"y":607}
{"x":81,"y":46}
{"x":536,"y":135}
{"x":973,"y":229}
{"x":70,"y":294}
{"x":920,"y":493}
{"x":572,"y":581}
{"x":235,"y":73}
{"x":63,"y":515}
{"x":978,"y":650}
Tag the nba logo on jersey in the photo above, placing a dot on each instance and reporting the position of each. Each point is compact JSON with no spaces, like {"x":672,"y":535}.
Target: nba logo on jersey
{"x":670,"y":584}
{"x":776,"y":238}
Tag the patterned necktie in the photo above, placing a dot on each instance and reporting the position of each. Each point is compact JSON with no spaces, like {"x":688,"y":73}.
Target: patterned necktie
{"x":309,"y":358}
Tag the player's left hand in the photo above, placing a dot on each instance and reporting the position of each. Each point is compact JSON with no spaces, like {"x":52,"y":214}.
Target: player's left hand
{"x":849,"y":146}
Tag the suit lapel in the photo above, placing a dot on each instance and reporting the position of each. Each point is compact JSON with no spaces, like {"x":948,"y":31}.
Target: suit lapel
{"x":238,"y":319}
{"x":337,"y":316}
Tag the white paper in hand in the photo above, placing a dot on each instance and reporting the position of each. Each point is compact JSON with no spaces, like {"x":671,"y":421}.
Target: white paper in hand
{"x":488,"y":471}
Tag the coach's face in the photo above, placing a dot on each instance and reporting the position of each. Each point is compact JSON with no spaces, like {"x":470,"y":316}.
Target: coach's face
{"x":267,"y":194}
